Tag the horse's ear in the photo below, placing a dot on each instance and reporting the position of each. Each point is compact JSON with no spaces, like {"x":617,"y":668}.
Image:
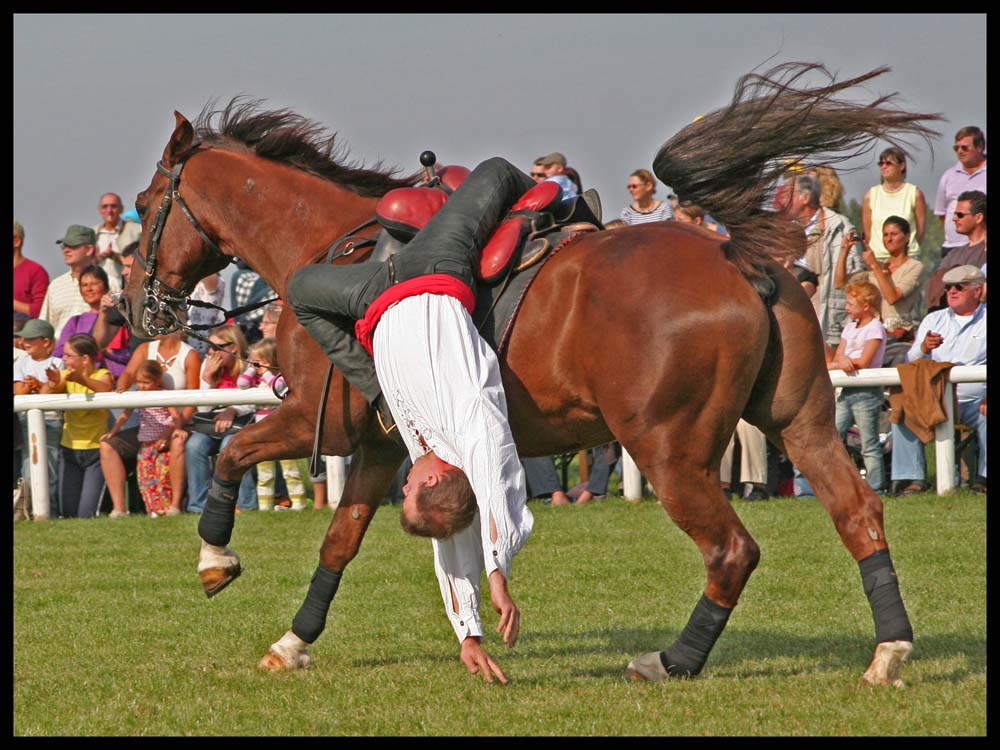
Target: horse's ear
{"x":180,"y":142}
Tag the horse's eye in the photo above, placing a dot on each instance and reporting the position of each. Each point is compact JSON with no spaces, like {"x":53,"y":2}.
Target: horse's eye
{"x":141,"y":210}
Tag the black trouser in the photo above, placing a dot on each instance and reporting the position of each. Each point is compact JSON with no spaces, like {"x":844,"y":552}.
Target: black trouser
{"x":328,"y":300}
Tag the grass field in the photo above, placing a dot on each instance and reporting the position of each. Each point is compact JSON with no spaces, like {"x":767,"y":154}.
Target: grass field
{"x":113,"y":635}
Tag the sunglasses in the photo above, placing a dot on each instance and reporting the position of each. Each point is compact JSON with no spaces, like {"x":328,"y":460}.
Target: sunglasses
{"x":956,"y":287}
{"x":887,"y":161}
{"x":110,"y":205}
{"x":538,"y":174}
{"x":962,"y":147}
{"x":961,"y":214}
{"x":633,"y":187}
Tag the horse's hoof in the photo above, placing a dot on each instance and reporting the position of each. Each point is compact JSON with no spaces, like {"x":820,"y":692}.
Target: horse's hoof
{"x":647,"y":668}
{"x":888,"y":660}
{"x":216,"y":579}
{"x":290,"y":652}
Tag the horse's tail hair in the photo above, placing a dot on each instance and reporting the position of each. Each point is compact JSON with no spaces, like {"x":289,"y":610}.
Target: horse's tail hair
{"x":729,"y":161}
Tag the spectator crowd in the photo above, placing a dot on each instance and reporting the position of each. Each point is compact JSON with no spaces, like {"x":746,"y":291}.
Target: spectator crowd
{"x":881,"y":298}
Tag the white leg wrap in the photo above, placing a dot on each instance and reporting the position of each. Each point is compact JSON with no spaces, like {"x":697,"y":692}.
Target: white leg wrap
{"x":885,"y":667}
{"x":647,"y":667}
{"x":291,"y":650}
{"x":212,"y":556}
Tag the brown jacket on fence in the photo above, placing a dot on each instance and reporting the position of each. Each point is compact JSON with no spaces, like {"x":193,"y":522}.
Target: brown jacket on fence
{"x":917,"y":401}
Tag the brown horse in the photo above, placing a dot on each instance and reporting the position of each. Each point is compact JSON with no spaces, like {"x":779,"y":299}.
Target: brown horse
{"x":718,"y":329}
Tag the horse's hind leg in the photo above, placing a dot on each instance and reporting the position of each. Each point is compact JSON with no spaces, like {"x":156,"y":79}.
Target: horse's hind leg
{"x":793,"y":404}
{"x":372,"y":469}
{"x":692,"y":496}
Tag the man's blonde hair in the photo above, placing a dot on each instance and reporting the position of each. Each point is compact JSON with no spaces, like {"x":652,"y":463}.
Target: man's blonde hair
{"x":18,"y":229}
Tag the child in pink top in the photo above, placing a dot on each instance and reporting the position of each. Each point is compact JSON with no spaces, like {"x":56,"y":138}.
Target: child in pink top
{"x":262,"y":372}
{"x":156,"y":427}
{"x":862,"y":345}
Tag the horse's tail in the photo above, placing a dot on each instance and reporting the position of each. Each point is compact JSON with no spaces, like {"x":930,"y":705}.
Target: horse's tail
{"x":729,"y":161}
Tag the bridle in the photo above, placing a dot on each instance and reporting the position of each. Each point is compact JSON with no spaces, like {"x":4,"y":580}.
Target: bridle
{"x":160,"y":297}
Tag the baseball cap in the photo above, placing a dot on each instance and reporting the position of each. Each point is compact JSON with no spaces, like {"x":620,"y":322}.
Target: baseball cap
{"x":554,"y":158}
{"x":964,"y":275}
{"x":38,"y":329}
{"x":77,"y":235}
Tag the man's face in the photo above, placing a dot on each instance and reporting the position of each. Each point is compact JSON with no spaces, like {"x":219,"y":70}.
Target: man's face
{"x":38,"y":348}
{"x":963,"y":298}
{"x":127,"y":261}
{"x":427,"y":470}
{"x":965,"y":220}
{"x":110,"y":209}
{"x":79,"y":256}
{"x":538,"y":173}
{"x":968,"y":154}
{"x":18,"y":242}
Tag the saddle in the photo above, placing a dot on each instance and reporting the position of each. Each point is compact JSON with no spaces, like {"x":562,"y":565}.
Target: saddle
{"x":534,"y":224}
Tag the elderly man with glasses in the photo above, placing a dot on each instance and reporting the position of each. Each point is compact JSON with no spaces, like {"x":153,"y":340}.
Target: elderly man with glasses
{"x":969,"y":173}
{"x":113,"y":235}
{"x":956,"y":334}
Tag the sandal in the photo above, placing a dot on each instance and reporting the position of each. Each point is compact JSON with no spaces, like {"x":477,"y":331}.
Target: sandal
{"x":914,"y":488}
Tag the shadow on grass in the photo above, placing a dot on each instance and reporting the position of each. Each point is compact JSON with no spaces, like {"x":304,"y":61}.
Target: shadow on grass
{"x":751,"y":653}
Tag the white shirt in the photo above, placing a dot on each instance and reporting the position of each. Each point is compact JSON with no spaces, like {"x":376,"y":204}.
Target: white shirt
{"x":442,"y":383}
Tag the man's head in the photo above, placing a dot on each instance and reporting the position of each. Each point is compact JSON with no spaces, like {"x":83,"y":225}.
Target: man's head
{"x":39,"y":338}
{"x":802,"y":197}
{"x":78,"y":246}
{"x":552,"y":164}
{"x":688,"y":213}
{"x":128,"y":259}
{"x":110,"y":208}
{"x":964,"y":288}
{"x":970,"y":147}
{"x":970,"y":213}
{"x":438,"y":500}
{"x":538,"y":172}
{"x":18,"y":235}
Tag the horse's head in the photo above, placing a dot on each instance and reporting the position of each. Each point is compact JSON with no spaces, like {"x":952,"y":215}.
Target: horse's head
{"x":176,"y":249}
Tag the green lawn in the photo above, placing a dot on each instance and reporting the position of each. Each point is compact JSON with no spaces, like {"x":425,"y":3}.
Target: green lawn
{"x":113,"y":636}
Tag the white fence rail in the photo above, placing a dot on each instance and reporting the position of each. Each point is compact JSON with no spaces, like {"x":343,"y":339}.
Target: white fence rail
{"x":944,"y":433}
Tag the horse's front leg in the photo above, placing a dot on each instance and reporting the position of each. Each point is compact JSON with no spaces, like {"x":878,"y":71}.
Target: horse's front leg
{"x":218,"y":566}
{"x":372,"y":468}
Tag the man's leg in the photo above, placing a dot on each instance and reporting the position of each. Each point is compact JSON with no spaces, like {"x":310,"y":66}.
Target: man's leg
{"x":196,"y":452}
{"x":321,"y":296}
{"x":907,"y":455}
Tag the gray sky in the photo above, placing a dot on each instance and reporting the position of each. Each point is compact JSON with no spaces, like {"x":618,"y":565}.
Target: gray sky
{"x":94,"y":95}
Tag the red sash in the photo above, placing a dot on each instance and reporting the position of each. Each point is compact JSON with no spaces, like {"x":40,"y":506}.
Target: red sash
{"x":432,"y":283}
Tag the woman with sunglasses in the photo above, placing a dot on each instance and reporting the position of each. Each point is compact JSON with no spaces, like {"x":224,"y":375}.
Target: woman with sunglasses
{"x":893,"y":196}
{"x":644,"y":208}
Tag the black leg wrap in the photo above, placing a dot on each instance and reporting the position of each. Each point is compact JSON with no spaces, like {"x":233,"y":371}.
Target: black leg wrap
{"x":688,"y":654}
{"x":216,"y":523}
{"x":882,"y":589}
{"x":311,"y":617}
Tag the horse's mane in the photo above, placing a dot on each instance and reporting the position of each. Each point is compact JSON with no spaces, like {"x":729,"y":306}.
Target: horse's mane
{"x":286,"y":137}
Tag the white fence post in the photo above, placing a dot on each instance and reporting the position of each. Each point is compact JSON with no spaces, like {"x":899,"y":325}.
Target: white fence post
{"x":38,"y":471}
{"x":336,"y":478}
{"x":631,"y":478}
{"x":944,"y":443}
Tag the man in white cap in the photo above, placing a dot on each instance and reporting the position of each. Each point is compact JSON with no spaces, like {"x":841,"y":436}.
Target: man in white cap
{"x":954,"y":334}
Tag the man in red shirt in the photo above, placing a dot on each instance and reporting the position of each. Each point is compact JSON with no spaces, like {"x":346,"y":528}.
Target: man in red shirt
{"x":31,"y":281}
